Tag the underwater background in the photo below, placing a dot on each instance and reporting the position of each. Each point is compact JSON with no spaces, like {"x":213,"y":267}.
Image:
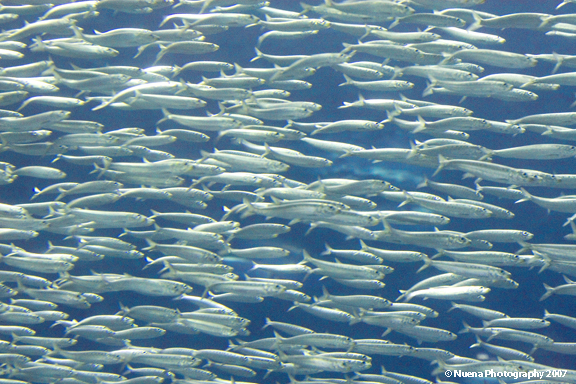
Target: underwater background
{"x":237,"y":46}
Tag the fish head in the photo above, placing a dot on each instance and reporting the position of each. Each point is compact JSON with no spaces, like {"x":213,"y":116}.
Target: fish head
{"x":275,"y":288}
{"x":373,"y":126}
{"x":531,"y":61}
{"x":181,"y":288}
{"x":406,"y":10}
{"x":92,"y":297}
{"x":372,"y":220}
{"x":118,"y":78}
{"x":402,"y":85}
{"x":460,"y":240}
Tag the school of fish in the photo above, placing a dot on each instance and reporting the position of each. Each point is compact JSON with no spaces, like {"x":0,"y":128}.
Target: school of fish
{"x":192,"y":250}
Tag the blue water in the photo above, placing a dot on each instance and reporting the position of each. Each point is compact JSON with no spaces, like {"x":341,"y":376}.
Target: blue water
{"x":237,"y":45}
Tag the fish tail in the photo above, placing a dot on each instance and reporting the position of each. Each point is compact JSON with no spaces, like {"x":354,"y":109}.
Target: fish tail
{"x":453,"y":307}
{"x":312,"y":226}
{"x":407,"y":199}
{"x":151,"y":245}
{"x":267,"y":323}
{"x":527,"y":196}
{"x":528,"y":83}
{"x":477,"y":22}
{"x":425,"y":182}
{"x":249,"y":208}
{"x":166,"y":115}
{"x":292,"y":307}
{"x":97,"y":169}
{"x":414,"y":152}
{"x":141,"y":50}
{"x":440,"y":253}
{"x":429,"y":88}
{"x":167,"y":18}
{"x":355,"y":320}
{"x":549,"y":292}
{"x":305,"y":8}
{"x":403,"y":294}
{"x":328,"y":250}
{"x":346,"y":105}
{"x":346,"y":154}
{"x":559,"y":60}
{"x":24,"y":104}
{"x":58,"y":157}
{"x":442,"y":163}
{"x":545,"y":21}
{"x":77,"y":32}
{"x":348,"y":80}
{"x":466,"y":328}
{"x":160,"y":55}
{"x":258,"y":55}
{"x":325,"y":294}
{"x":103,"y":105}
{"x":488,"y":153}
{"x":548,"y":131}
{"x":427,"y":263}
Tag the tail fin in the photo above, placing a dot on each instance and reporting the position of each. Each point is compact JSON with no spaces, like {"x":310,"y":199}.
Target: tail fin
{"x":347,"y":82}
{"x":477,"y":22}
{"x":549,"y":292}
{"x":427,"y":263}
{"x":258,"y":56}
{"x":442,"y":163}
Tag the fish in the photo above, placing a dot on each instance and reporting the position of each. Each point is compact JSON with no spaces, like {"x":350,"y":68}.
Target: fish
{"x":184,"y":197}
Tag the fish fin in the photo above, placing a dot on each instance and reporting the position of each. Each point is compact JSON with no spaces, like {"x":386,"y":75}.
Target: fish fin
{"x":328,"y":250}
{"x":425,"y":182}
{"x":427,"y":263}
{"x":477,"y":22}
{"x":347,"y":82}
{"x":441,"y":252}
{"x":549,"y":292}
{"x":442,"y":163}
